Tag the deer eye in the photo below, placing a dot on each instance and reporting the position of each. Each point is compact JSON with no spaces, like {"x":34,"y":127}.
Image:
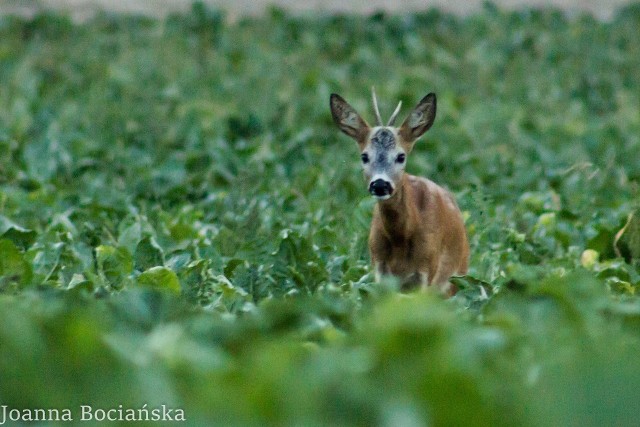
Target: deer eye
{"x":401,"y":158}
{"x":365,"y":158}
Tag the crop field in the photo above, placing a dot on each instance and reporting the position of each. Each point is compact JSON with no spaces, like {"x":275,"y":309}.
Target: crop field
{"x":183,"y":227}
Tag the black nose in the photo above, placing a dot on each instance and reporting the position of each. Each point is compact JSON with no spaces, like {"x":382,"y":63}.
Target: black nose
{"x":380,"y":188}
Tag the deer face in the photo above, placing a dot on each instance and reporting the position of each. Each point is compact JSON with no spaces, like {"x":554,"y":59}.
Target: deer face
{"x":383,"y":160}
{"x":384,"y":149}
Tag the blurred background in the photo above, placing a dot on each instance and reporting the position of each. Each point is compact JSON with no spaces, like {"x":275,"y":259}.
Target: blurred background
{"x":81,"y":9}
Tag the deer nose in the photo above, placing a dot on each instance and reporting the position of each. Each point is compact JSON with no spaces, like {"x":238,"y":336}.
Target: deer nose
{"x":380,"y":188}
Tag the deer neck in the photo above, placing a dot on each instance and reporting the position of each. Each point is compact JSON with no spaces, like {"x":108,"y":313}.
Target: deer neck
{"x":397,"y":214}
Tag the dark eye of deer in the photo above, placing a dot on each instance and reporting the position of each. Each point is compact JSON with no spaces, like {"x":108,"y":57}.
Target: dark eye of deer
{"x":365,"y":158}
{"x":400,"y":158}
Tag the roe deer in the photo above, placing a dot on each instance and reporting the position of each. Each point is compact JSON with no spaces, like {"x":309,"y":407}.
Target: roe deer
{"x":417,"y":233}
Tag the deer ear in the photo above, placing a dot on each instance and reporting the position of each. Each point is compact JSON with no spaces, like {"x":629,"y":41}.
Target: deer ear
{"x":347,"y":119}
{"x":420,"y":119}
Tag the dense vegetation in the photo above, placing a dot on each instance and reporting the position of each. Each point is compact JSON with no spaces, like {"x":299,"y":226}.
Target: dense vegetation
{"x":182,"y":224}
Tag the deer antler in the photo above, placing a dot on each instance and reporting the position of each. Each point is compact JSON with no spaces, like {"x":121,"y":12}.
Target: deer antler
{"x":375,"y":107}
{"x":394,"y":116}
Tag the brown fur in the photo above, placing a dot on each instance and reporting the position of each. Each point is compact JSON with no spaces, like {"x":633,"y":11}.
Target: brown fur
{"x":418,"y":236}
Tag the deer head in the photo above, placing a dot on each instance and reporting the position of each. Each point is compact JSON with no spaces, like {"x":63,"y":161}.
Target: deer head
{"x":384,"y":149}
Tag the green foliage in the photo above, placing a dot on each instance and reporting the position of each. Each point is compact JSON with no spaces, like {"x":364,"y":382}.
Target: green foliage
{"x":160,"y":278}
{"x":14,"y":269}
{"x":114,"y":265}
{"x":182,"y":224}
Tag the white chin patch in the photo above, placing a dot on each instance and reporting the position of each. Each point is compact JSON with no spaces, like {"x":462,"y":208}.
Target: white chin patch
{"x":387,"y":197}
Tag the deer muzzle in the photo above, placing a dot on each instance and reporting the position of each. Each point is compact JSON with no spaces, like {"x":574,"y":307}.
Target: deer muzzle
{"x":380,"y":188}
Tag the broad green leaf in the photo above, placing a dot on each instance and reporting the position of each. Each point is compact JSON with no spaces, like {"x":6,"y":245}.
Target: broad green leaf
{"x":130,"y":236}
{"x":231,"y":266}
{"x":80,"y":283}
{"x":628,"y":238}
{"x":160,"y":278}
{"x":14,"y":270}
{"x":45,"y":260}
{"x":21,"y":236}
{"x":148,"y":254}
{"x":114,"y":264}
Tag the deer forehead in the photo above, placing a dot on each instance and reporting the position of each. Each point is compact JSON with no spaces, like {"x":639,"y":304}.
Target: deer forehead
{"x":383,"y":138}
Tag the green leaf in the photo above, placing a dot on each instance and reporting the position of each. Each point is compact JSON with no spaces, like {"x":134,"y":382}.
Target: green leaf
{"x":14,"y":270}
{"x":45,"y":260}
{"x":627,"y":241}
{"x":297,"y":261}
{"x":114,"y":264}
{"x":148,"y":254}
{"x":160,"y":278}
{"x":231,"y":266}
{"x":21,"y":236}
{"x":130,"y":236}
